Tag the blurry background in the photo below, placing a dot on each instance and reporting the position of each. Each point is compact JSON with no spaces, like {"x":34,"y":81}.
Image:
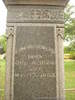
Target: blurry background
{"x":69,"y":49}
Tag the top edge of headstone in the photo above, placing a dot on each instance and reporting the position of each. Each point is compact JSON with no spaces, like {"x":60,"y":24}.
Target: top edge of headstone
{"x":36,"y":2}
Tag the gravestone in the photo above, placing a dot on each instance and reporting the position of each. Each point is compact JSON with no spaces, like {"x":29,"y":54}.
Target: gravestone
{"x":35,"y":65}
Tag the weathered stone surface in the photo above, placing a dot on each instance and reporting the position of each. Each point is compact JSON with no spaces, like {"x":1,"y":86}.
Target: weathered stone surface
{"x":40,"y":2}
{"x":35,"y":14}
{"x":35,"y":65}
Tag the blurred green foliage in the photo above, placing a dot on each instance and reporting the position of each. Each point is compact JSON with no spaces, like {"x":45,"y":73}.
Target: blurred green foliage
{"x":3,"y":42}
{"x":70,"y":50}
{"x":69,"y":33}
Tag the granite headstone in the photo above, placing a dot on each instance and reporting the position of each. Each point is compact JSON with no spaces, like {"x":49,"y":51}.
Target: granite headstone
{"x":35,"y":67}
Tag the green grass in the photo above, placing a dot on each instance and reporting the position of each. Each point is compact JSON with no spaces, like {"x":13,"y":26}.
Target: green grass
{"x":70,"y":78}
{"x":2,"y":77}
{"x":70,"y":95}
{"x":70,"y":74}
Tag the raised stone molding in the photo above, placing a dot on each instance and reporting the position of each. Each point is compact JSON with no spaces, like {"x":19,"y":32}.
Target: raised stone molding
{"x":40,"y":2}
{"x":9,"y":58}
{"x":60,"y":32}
{"x":35,"y":14}
{"x":10,"y":31}
{"x":60,"y":57}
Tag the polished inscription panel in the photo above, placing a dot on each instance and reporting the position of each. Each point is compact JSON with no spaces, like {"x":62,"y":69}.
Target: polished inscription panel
{"x":35,"y":63}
